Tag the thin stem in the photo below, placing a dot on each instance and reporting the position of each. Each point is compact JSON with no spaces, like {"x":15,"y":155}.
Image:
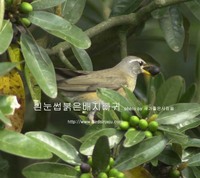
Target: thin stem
{"x":65,"y":60}
{"x":132,"y":19}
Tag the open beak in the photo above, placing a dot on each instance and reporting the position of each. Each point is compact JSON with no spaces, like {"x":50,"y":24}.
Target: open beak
{"x":149,"y":69}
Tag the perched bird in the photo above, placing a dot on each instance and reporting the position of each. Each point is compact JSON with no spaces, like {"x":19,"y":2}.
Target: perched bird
{"x":82,"y":88}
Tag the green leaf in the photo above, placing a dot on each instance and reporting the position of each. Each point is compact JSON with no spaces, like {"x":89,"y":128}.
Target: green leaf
{"x":113,"y":135}
{"x":172,"y":25}
{"x":141,"y":153}
{"x":170,"y":91}
{"x":187,"y":172}
{"x":197,"y":1}
{"x":45,"y":4}
{"x":49,"y":170}
{"x":83,"y":58}
{"x":6,"y":35}
{"x":180,"y":113}
{"x":154,"y":85}
{"x":121,"y":7}
{"x":196,"y":171}
{"x":169,"y":157}
{"x":73,"y":141}
{"x":114,"y":99}
{"x":189,"y":94}
{"x":100,"y":155}
{"x":6,"y":67}
{"x":133,"y":137}
{"x":169,"y":128}
{"x":135,"y":103}
{"x":8,"y":104}
{"x":193,"y":7}
{"x":72,"y":10}
{"x":2,"y":10}
{"x":189,"y":124}
{"x":192,"y":142}
{"x":56,"y":145}
{"x":91,"y":130}
{"x":4,"y":119}
{"x":179,"y":138}
{"x":61,"y":28}
{"x":173,"y":134}
{"x":32,"y":85}
{"x":21,"y":145}
{"x":4,"y":167}
{"x":109,"y":116}
{"x":194,"y":160}
{"x":40,"y":65}
{"x":158,"y":13}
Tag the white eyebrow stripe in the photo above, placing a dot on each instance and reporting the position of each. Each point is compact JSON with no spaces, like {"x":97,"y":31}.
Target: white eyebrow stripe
{"x":133,"y":60}
{"x":136,"y":60}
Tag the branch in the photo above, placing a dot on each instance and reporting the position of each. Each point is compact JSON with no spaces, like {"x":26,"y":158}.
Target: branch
{"x":123,"y":42}
{"x":132,"y":19}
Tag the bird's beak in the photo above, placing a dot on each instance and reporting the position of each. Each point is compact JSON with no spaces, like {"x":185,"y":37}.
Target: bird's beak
{"x":144,"y":69}
{"x":149,"y":69}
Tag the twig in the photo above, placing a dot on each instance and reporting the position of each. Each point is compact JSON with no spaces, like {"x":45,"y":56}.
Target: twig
{"x":132,"y":19}
{"x":123,"y":42}
{"x":65,"y":60}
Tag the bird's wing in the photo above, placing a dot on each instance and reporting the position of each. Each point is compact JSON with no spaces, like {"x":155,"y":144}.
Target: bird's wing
{"x":90,"y":82}
{"x":63,"y":73}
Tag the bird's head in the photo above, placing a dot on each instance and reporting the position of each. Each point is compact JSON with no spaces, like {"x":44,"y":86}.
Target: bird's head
{"x":135,"y":65}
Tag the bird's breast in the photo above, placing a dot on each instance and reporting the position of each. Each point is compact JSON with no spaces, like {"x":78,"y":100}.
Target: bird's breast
{"x":131,"y":82}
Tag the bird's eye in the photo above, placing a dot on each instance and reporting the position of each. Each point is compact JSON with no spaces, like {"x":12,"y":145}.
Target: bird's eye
{"x":141,"y":63}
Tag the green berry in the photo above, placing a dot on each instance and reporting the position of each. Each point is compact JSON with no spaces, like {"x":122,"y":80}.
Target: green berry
{"x":111,"y":162}
{"x":143,"y":124}
{"x":25,"y":22}
{"x":134,"y":120}
{"x":145,"y":111}
{"x":174,"y":173}
{"x":86,"y":175}
{"x":25,"y":7}
{"x":113,"y":172}
{"x":102,"y":175}
{"x":125,"y":115}
{"x":90,"y":161}
{"x":153,"y":126}
{"x":148,"y":134}
{"x":108,"y":168}
{"x":153,"y":117}
{"x":120,"y":175}
{"x":124,"y":125}
{"x":77,"y":168}
{"x":133,"y":129}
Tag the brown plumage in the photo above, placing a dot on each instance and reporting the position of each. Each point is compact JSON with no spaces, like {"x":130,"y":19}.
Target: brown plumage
{"x":82,"y":88}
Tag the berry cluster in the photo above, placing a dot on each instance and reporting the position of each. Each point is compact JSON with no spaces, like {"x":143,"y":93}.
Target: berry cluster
{"x":86,"y":170}
{"x":133,"y":122}
{"x":17,"y":13}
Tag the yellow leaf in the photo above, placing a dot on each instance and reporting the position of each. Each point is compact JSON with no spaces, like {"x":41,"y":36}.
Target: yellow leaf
{"x":32,"y":85}
{"x":138,"y":172}
{"x":11,"y":84}
{"x":15,"y":55}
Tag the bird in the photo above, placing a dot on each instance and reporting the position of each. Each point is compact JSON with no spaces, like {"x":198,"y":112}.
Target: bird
{"x":82,"y":88}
